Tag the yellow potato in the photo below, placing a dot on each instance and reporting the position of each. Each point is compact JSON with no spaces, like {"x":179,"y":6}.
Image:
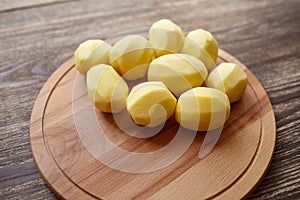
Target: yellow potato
{"x":179,"y":72}
{"x":107,"y":90}
{"x":150,"y":103}
{"x":202,"y":45}
{"x":202,"y":109}
{"x":230,"y":79}
{"x":91,"y":53}
{"x":165,"y":37}
{"x":131,"y":56}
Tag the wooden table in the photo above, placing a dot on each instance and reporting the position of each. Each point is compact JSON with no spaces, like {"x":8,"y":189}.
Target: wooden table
{"x":37,"y":36}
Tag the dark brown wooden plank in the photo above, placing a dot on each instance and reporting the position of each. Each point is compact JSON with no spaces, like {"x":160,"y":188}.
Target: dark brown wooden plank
{"x":7,"y":5}
{"x":35,"y":40}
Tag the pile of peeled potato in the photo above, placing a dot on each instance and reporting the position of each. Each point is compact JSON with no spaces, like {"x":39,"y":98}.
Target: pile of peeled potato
{"x":176,"y":68}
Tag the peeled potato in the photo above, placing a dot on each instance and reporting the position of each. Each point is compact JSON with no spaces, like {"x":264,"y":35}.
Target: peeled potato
{"x":107,"y":90}
{"x":131,"y":56}
{"x":202,"y":109}
{"x":165,"y":37}
{"x":230,"y":79}
{"x":91,"y":53}
{"x":179,"y":72}
{"x":202,"y":45}
{"x":150,"y":103}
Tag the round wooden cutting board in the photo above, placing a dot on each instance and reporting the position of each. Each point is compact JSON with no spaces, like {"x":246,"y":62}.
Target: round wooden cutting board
{"x":231,"y":170}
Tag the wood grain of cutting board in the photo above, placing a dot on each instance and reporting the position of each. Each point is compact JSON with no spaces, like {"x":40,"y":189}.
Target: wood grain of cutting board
{"x":231,"y":170}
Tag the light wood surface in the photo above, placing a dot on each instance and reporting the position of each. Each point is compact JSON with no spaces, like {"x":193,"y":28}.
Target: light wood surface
{"x":231,"y":171}
{"x":36,"y":37}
